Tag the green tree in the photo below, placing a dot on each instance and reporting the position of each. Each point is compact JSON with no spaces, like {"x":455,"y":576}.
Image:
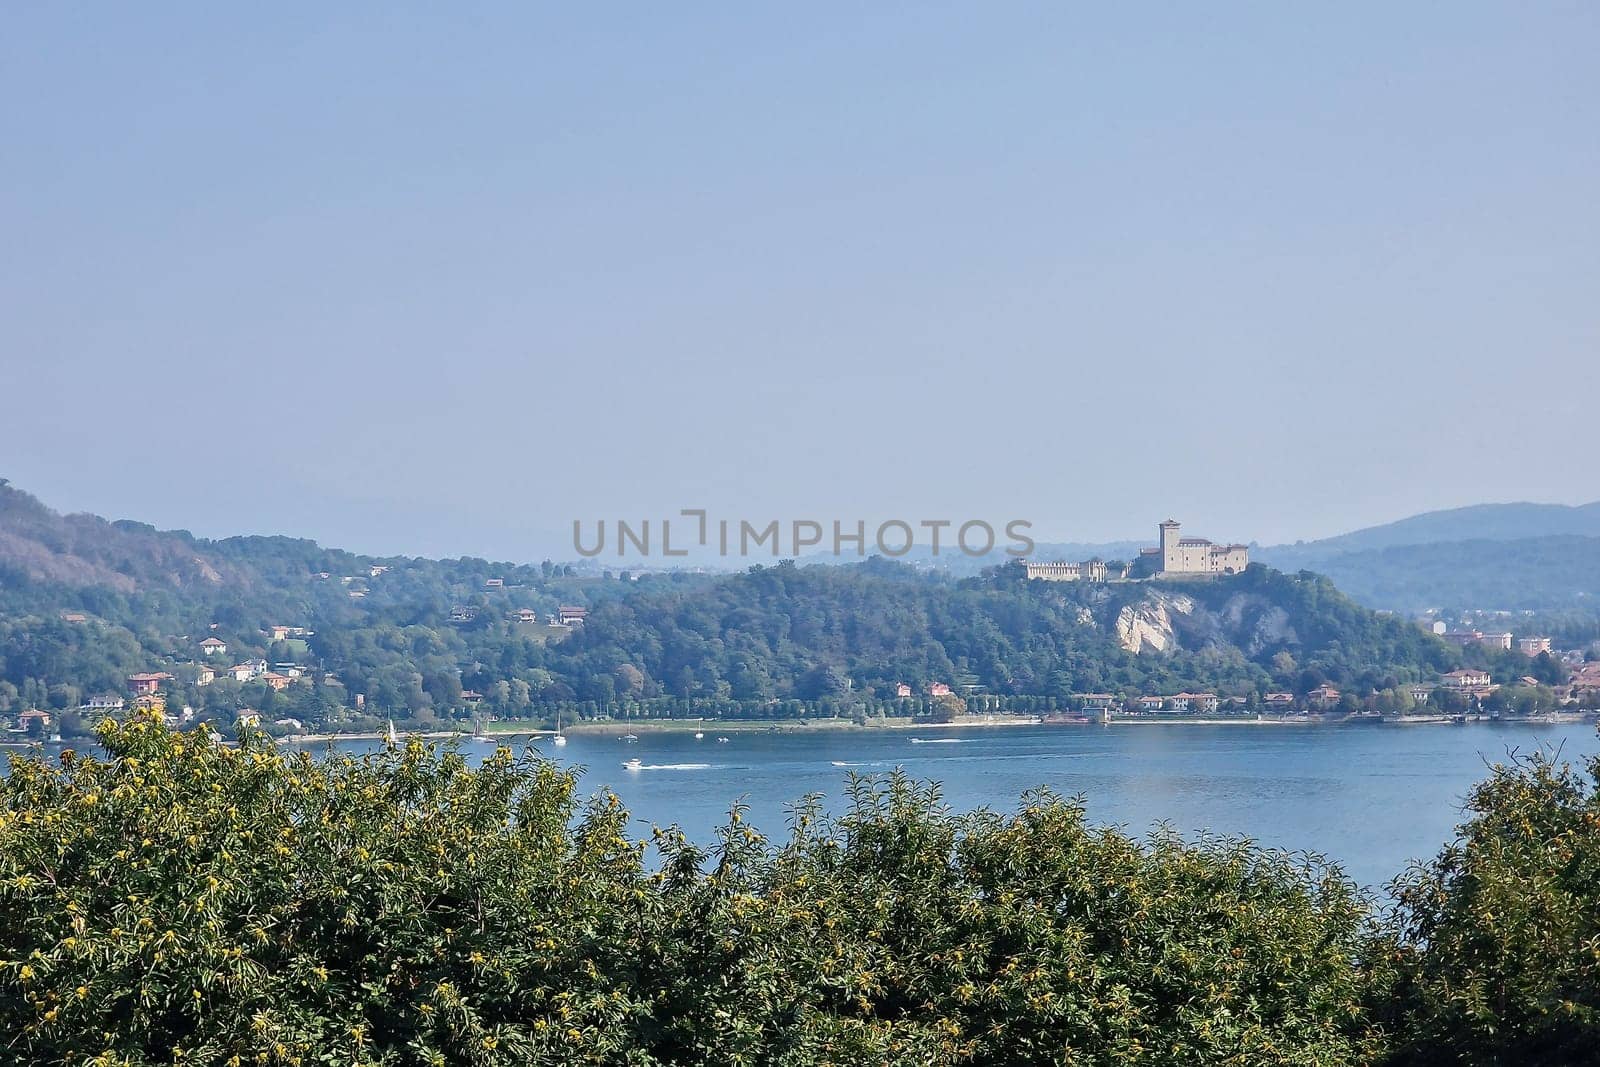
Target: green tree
{"x":1504,"y":925}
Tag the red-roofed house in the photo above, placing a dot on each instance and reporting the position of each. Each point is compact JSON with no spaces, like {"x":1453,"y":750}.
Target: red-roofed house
{"x":1323,"y":696}
{"x":147,"y":683}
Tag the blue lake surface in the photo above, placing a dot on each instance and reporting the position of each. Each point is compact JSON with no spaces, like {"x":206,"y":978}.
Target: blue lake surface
{"x":1372,"y":798}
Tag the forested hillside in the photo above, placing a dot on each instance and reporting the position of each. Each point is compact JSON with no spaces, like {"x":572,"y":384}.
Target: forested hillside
{"x":85,"y":603}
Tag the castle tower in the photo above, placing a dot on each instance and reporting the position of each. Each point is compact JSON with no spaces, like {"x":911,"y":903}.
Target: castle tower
{"x":1169,"y":546}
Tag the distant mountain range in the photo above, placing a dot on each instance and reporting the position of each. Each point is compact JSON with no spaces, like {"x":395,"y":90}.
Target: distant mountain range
{"x":1513,"y":557}
{"x":1517,"y":556}
{"x":1478,"y":523}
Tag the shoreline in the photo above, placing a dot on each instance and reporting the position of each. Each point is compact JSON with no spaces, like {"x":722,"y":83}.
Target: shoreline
{"x":746,"y":726}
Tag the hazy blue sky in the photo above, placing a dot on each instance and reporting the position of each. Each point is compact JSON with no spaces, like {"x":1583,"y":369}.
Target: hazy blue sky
{"x":424,"y":281}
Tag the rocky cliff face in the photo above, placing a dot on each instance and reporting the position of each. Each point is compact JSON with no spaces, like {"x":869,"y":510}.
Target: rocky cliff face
{"x":1148,"y":624}
{"x":1161,"y":620}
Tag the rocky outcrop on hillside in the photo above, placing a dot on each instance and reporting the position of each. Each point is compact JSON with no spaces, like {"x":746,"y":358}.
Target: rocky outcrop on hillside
{"x":1148,"y":624}
{"x":1163,"y":620}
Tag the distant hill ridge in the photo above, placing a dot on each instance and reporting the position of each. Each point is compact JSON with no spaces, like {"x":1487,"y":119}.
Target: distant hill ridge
{"x":1524,"y":556}
{"x":1479,"y":522}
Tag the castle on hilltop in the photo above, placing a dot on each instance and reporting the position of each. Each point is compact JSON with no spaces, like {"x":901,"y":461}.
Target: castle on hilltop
{"x":1196,"y":555}
{"x":1175,"y":556}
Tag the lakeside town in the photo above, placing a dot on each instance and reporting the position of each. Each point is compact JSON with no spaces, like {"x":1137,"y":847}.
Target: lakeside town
{"x":1534,"y":679}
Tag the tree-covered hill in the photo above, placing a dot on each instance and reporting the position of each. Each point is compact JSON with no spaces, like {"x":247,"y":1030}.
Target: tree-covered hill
{"x":814,"y":632}
{"x":84,"y":603}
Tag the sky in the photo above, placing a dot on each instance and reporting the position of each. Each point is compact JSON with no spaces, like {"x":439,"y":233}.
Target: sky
{"x":438,"y":280}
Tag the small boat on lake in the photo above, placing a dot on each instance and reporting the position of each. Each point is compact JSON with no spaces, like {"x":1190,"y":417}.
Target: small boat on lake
{"x":634,"y":764}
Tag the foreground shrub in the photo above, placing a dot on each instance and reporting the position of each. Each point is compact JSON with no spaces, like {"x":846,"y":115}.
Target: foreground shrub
{"x":179,"y":901}
{"x":1505,"y":925}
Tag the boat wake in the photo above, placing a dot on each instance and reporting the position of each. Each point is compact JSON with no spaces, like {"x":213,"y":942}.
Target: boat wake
{"x":940,"y":740}
{"x":674,"y":766}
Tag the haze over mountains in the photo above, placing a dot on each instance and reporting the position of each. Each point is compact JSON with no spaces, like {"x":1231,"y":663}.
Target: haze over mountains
{"x":1514,"y":556}
{"x":1479,"y":522}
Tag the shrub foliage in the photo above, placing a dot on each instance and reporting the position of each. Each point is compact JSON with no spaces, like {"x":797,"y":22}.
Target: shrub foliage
{"x":180,"y":901}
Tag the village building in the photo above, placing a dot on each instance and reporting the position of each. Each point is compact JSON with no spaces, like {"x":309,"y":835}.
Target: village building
{"x":1467,"y":678}
{"x":938,"y":689}
{"x":277,"y":682}
{"x":213,"y":647}
{"x":568,"y":615}
{"x":902,"y":691}
{"x":141,"y":684}
{"x":1278,"y":701}
{"x":204,"y":675}
{"x":1152,"y":703}
{"x":31,"y":716}
{"x":1323,"y":696}
{"x":1096,"y":701}
{"x":1533,"y":646}
{"x":1466,"y":638}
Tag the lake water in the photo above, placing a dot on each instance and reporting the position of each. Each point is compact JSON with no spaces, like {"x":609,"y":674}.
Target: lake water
{"x":1370,"y":797}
